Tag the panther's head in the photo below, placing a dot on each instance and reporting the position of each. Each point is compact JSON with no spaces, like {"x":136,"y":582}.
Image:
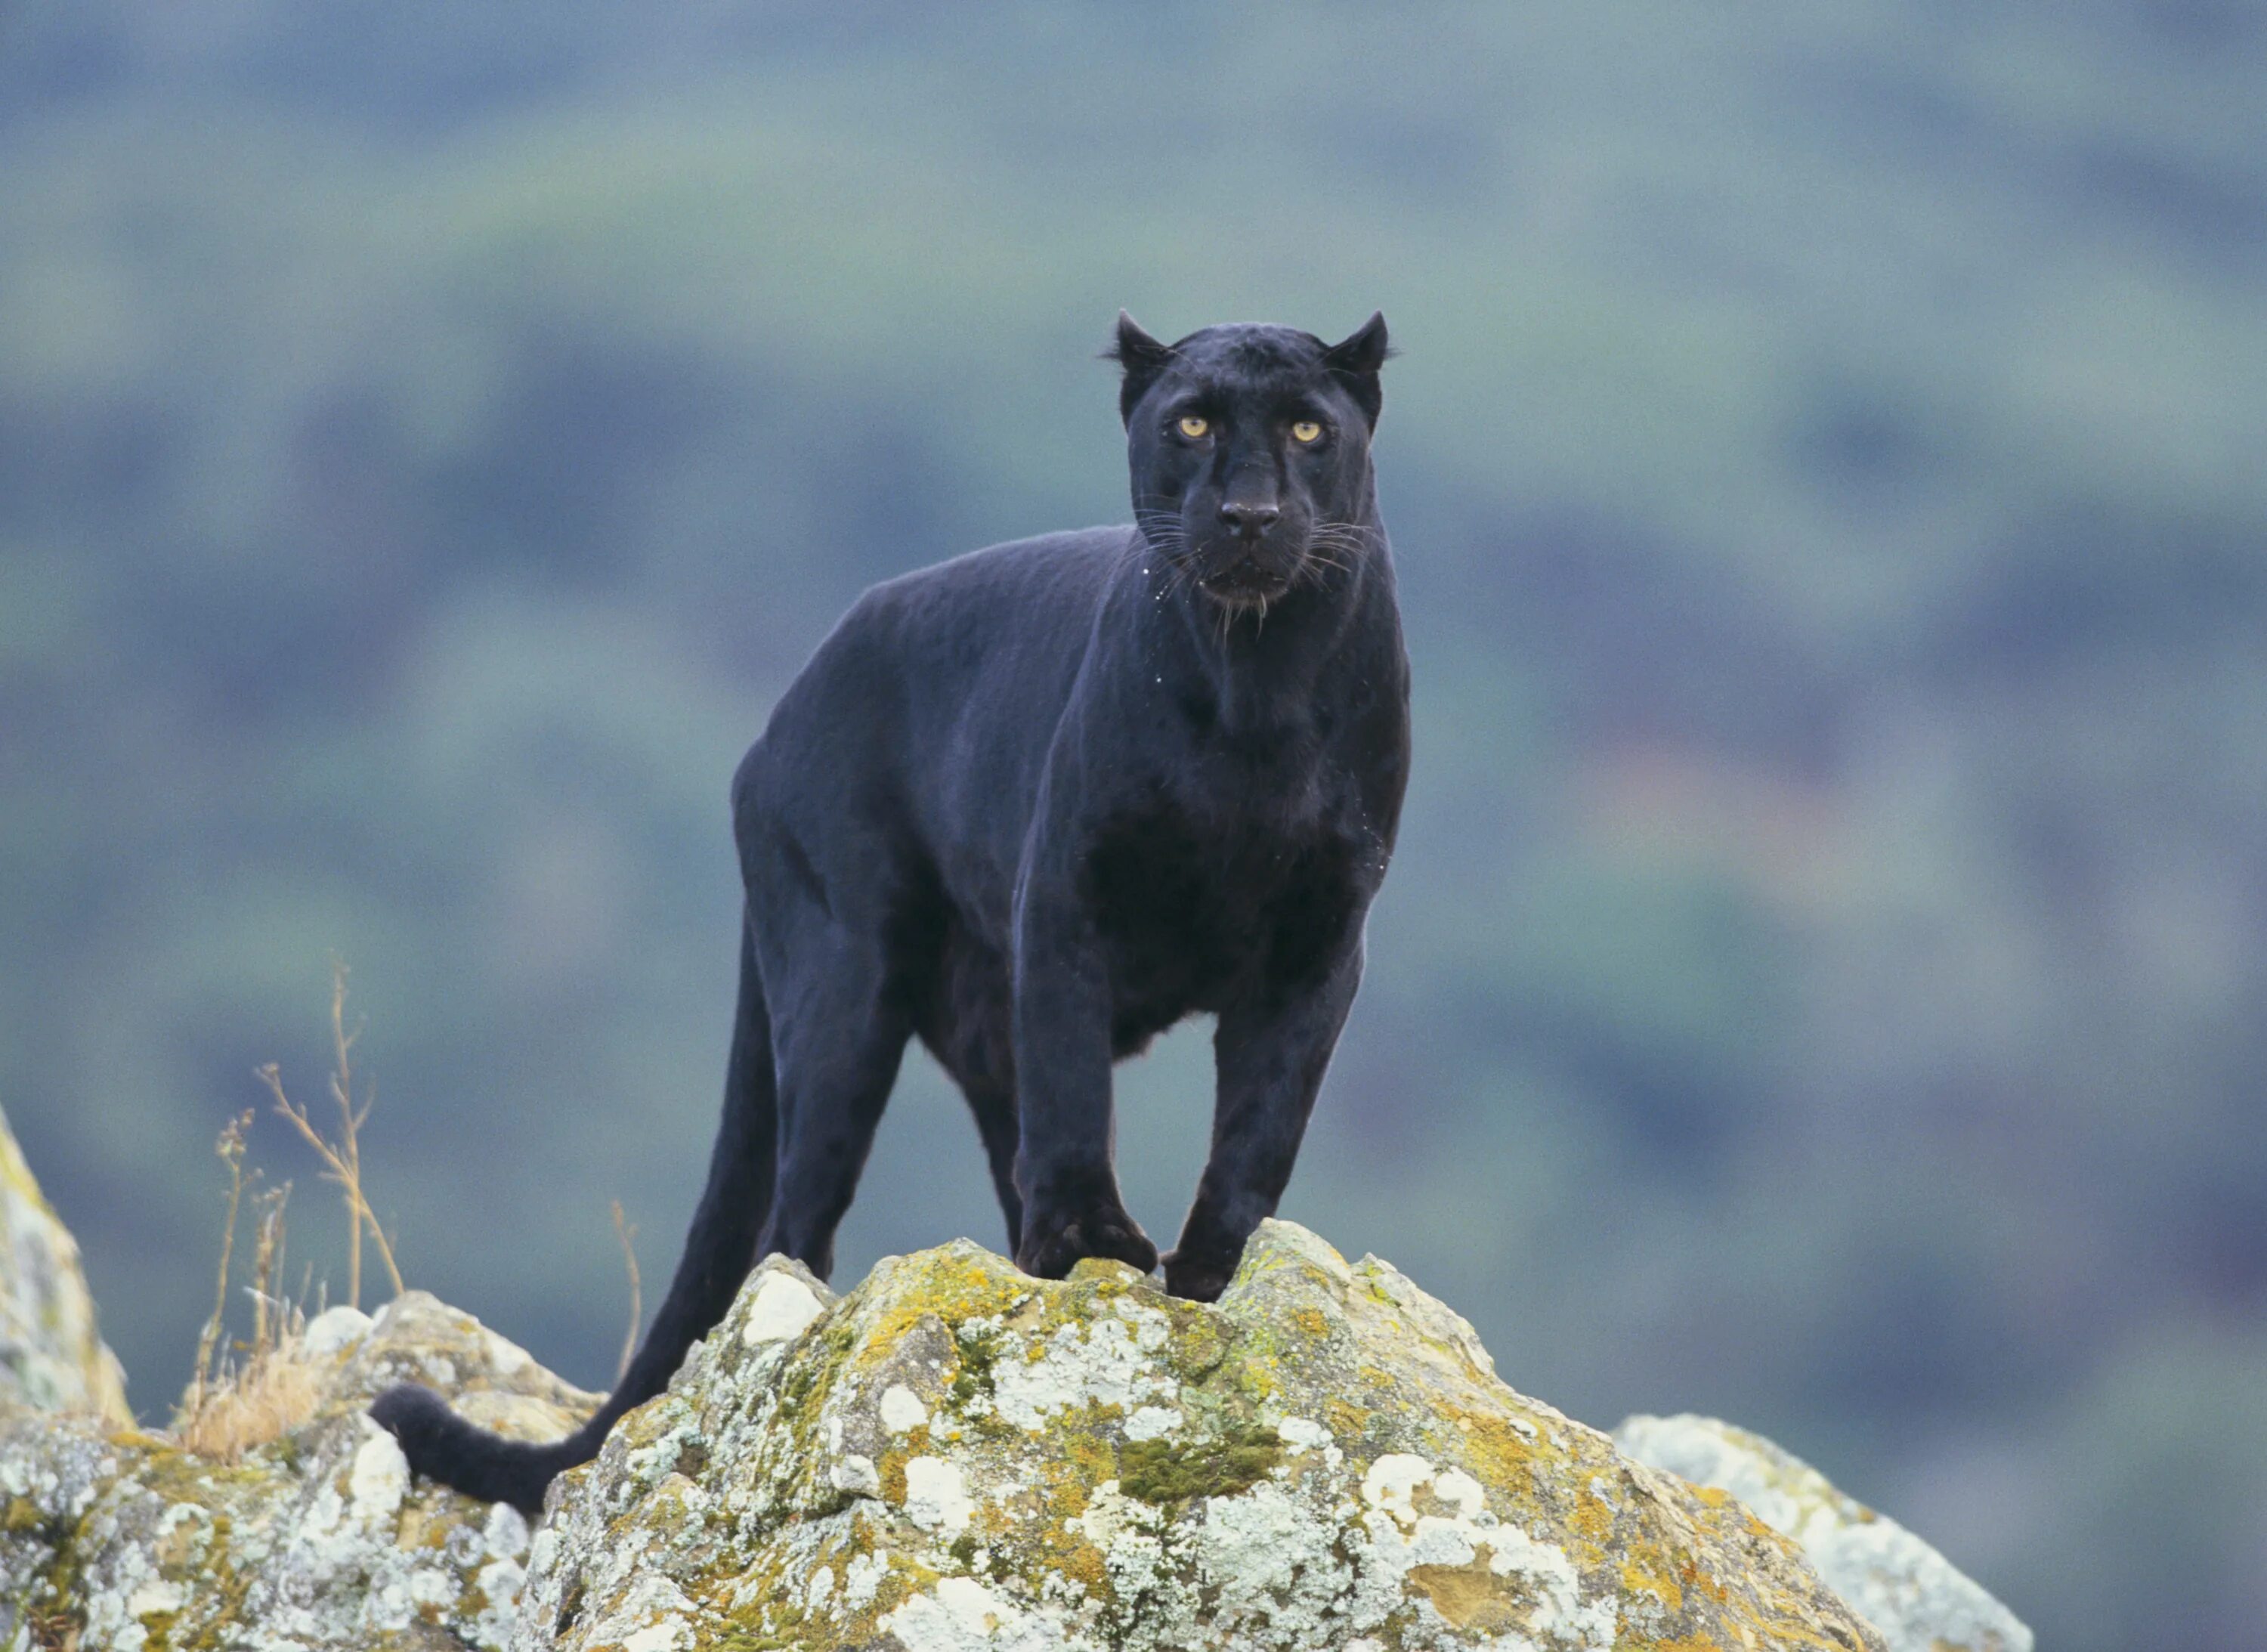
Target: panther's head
{"x":1250,"y":451}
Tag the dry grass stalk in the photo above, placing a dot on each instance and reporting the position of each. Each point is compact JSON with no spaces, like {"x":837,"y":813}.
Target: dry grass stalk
{"x":625,"y":1232}
{"x":233,"y":1404}
{"x":230,"y":1409}
{"x":274,"y":1392}
{"x":229,"y":1151}
{"x":342,"y":1160}
{"x":266,"y":1264}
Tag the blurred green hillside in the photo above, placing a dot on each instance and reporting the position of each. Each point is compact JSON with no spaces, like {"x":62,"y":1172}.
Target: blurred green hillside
{"x":1822,"y":978}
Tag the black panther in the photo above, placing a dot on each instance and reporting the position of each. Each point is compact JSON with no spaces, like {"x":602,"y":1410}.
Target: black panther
{"x":1037,"y":805}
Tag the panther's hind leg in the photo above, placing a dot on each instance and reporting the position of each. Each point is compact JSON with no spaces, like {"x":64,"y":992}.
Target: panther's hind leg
{"x":964,"y":1020}
{"x":834,"y":980}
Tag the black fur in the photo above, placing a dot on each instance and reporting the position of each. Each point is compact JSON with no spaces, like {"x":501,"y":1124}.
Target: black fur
{"x":1036,"y":805}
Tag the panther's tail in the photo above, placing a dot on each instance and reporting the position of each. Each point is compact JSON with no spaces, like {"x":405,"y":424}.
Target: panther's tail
{"x":442,"y":1446}
{"x":719,"y":1250}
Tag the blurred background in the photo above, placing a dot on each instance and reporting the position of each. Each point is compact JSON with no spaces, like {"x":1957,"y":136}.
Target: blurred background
{"x":1821,"y":980}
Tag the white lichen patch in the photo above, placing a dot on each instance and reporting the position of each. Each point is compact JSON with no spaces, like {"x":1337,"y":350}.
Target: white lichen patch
{"x":379,"y":1478}
{"x":158,"y":1596}
{"x":1421,"y":1516}
{"x":1152,"y":1422}
{"x":856,"y":1475}
{"x":784,"y":1307}
{"x":902,"y":1410}
{"x":862,"y":1577}
{"x":651,"y":1615}
{"x":503,"y":1535}
{"x":936,"y":1499}
{"x":1266,"y":1556}
{"x":1111,"y":1362}
{"x":648,"y":1464}
{"x":333,"y":1331}
{"x":963,"y":1615}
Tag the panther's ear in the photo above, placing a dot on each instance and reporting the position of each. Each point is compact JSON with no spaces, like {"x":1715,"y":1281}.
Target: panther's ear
{"x":1356,"y":359}
{"x":1142,"y":357}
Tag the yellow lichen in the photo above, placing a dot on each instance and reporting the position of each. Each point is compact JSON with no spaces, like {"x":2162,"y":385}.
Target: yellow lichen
{"x":954,"y":1283}
{"x":1062,"y":1554}
{"x":1592,"y":1518}
{"x":1643,"y":1571}
{"x":1089,"y":1453}
{"x":1500,"y":1454}
{"x":891,"y":1469}
{"x":1471,"y":1597}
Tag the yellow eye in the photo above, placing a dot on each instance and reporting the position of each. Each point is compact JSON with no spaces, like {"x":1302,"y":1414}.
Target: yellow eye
{"x":1193,"y":428}
{"x":1306,"y":430}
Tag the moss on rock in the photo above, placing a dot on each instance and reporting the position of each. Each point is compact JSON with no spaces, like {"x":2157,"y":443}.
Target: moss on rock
{"x":1161,"y":1472}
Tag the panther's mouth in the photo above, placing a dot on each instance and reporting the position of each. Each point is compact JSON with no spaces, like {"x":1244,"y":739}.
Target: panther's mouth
{"x":1245,"y":587}
{"x":1246,"y":583}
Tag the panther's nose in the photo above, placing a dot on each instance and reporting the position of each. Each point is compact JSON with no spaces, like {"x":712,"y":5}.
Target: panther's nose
{"x":1249,"y":520}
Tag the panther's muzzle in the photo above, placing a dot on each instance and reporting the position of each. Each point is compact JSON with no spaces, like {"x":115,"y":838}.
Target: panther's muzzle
{"x":1239,"y":574}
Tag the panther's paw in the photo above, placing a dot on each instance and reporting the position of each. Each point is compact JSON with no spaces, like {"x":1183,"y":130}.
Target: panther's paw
{"x":1197,"y":1277}
{"x":1053,"y":1242}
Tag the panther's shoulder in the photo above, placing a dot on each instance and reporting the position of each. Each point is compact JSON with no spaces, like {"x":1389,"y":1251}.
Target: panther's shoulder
{"x":1046,"y":558}
{"x":1054,"y":574}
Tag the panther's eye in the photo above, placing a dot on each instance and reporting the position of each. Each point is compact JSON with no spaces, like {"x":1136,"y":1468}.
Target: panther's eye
{"x":1194,"y":428}
{"x":1306,"y":431}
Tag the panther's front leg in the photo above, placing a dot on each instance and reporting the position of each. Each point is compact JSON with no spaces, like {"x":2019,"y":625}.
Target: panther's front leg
{"x":1271,"y":1053}
{"x":1072,"y":1206}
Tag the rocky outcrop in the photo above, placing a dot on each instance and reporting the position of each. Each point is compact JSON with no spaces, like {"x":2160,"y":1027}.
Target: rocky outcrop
{"x":313,"y":1539}
{"x":1918,"y":1599}
{"x":953,"y":1456}
{"x":51,"y":1356}
{"x":956,"y":1457}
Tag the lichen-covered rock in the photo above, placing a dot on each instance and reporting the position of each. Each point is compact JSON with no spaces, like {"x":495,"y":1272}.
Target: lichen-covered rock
{"x":51,"y":1356}
{"x":317,"y":1539}
{"x":956,"y":1457}
{"x":1918,"y":1599}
